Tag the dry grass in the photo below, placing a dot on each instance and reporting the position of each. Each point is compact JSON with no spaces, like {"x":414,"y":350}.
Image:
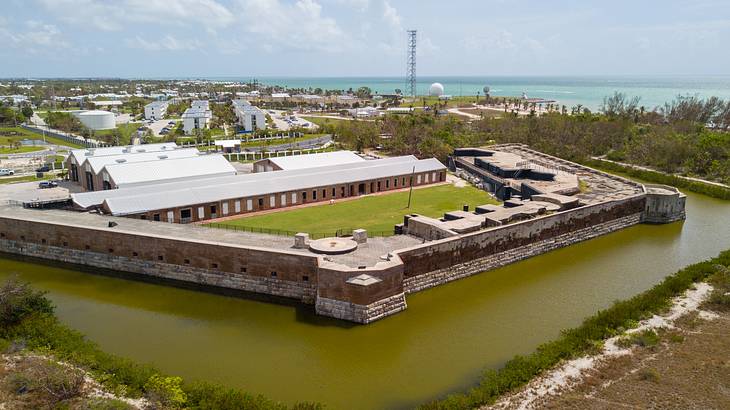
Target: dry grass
{"x":688,"y":368}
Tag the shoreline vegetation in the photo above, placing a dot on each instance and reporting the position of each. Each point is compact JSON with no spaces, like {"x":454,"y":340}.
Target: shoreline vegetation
{"x":30,"y":328}
{"x":588,"y":338}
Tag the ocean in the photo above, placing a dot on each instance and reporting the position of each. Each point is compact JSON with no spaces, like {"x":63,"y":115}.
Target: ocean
{"x":587,"y":91}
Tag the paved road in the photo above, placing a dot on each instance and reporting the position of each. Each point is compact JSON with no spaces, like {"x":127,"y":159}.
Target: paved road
{"x":307,"y":144}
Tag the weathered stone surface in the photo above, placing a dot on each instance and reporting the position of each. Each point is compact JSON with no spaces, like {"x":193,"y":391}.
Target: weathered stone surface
{"x":360,"y":235}
{"x":441,"y":276}
{"x":361,"y":313}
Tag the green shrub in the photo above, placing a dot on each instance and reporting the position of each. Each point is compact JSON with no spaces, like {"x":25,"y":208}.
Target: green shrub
{"x":646,"y":338}
{"x":18,"y":300}
{"x":103,"y":403}
{"x":166,"y":390}
{"x":50,"y":382}
{"x":649,"y":374}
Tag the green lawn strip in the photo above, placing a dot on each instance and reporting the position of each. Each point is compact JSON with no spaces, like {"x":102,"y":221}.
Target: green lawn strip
{"x":27,"y":178}
{"x":26,"y":134}
{"x":377,"y":214}
{"x":581,"y":340}
{"x":20,"y":150}
{"x":661,"y":178}
{"x":27,"y":320}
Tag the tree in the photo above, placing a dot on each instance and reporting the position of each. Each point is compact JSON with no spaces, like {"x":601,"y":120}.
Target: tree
{"x":27,"y":111}
{"x":364,"y":92}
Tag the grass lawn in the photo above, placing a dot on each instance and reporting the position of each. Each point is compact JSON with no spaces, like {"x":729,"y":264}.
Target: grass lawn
{"x":22,"y":133}
{"x":27,"y":178}
{"x":375,"y":213}
{"x":19,"y":150}
{"x":125,"y":130}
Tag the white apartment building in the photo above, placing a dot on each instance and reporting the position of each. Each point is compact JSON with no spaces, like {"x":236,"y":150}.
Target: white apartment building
{"x":198,"y":116}
{"x":250,"y":118}
{"x":155,"y":110}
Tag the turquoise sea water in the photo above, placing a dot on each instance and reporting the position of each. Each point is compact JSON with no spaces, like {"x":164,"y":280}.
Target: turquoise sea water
{"x":585,"y":90}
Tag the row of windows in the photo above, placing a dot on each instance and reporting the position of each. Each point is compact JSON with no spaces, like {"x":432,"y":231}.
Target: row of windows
{"x":186,"y":215}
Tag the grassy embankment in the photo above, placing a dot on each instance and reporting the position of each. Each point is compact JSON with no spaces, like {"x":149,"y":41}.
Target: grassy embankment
{"x":584,"y":339}
{"x":661,"y":178}
{"x":125,"y":133}
{"x":29,"y":327}
{"x":378,"y":213}
{"x":22,"y":133}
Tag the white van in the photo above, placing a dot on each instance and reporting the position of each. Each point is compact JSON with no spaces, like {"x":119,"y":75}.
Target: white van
{"x":6,"y":171}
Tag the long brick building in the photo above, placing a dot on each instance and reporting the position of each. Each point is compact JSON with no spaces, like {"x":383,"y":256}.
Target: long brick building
{"x":200,"y":199}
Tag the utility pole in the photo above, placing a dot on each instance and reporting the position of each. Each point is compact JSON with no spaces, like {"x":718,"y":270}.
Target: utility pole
{"x":410,"y":191}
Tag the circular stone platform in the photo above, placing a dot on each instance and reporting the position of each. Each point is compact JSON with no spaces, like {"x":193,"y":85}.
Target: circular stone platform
{"x":332,"y":246}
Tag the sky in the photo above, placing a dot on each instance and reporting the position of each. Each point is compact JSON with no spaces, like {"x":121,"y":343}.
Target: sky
{"x":345,"y":38}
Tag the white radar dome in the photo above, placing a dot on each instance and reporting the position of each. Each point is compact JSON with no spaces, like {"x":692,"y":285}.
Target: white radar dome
{"x":436,"y":89}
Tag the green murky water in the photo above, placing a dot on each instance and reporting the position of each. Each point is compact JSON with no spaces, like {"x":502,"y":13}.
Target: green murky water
{"x":440,"y":344}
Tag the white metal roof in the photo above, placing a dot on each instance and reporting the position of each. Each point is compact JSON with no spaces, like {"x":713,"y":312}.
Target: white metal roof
{"x":156,"y":104}
{"x":82,"y":154}
{"x":144,"y":198}
{"x":129,"y":174}
{"x":316,"y":160}
{"x":227,"y":143}
{"x":107,"y":102}
{"x":99,"y":162}
{"x":197,"y":113}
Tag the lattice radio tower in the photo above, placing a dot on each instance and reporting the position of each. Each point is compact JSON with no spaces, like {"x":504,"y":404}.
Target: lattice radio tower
{"x":411,"y":64}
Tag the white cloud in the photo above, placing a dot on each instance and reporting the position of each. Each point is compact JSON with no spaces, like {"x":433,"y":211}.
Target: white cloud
{"x":357,"y":5}
{"x":300,"y":25}
{"x":167,"y":42}
{"x":36,"y":35}
{"x":115,"y":15}
{"x":391,"y":16}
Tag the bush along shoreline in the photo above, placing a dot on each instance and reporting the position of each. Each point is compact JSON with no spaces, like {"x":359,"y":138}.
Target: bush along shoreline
{"x":28,"y":326}
{"x":581,"y":340}
{"x":713,"y":191}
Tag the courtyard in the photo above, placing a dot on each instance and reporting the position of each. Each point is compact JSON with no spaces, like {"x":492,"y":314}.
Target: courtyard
{"x":376,"y":213}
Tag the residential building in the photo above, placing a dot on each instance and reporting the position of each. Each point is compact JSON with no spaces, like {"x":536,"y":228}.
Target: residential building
{"x":155,"y":110}
{"x":250,"y":118}
{"x":196,"y":117}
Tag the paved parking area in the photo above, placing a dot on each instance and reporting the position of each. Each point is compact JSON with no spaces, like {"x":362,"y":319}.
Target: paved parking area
{"x":158,"y":125}
{"x":29,"y":191}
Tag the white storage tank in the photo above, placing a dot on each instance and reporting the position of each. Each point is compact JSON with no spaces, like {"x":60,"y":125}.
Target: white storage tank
{"x":97,"y":119}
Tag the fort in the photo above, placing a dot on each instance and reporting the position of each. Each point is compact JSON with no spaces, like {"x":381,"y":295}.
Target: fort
{"x":548,"y":203}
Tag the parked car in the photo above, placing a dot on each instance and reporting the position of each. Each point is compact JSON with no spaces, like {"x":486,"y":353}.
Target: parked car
{"x":163,"y":132}
{"x":171,"y":123}
{"x":44,"y":168}
{"x":47,"y":184}
{"x":6,"y":171}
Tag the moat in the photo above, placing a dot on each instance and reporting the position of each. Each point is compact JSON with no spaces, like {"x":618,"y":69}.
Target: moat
{"x":439,"y":345}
